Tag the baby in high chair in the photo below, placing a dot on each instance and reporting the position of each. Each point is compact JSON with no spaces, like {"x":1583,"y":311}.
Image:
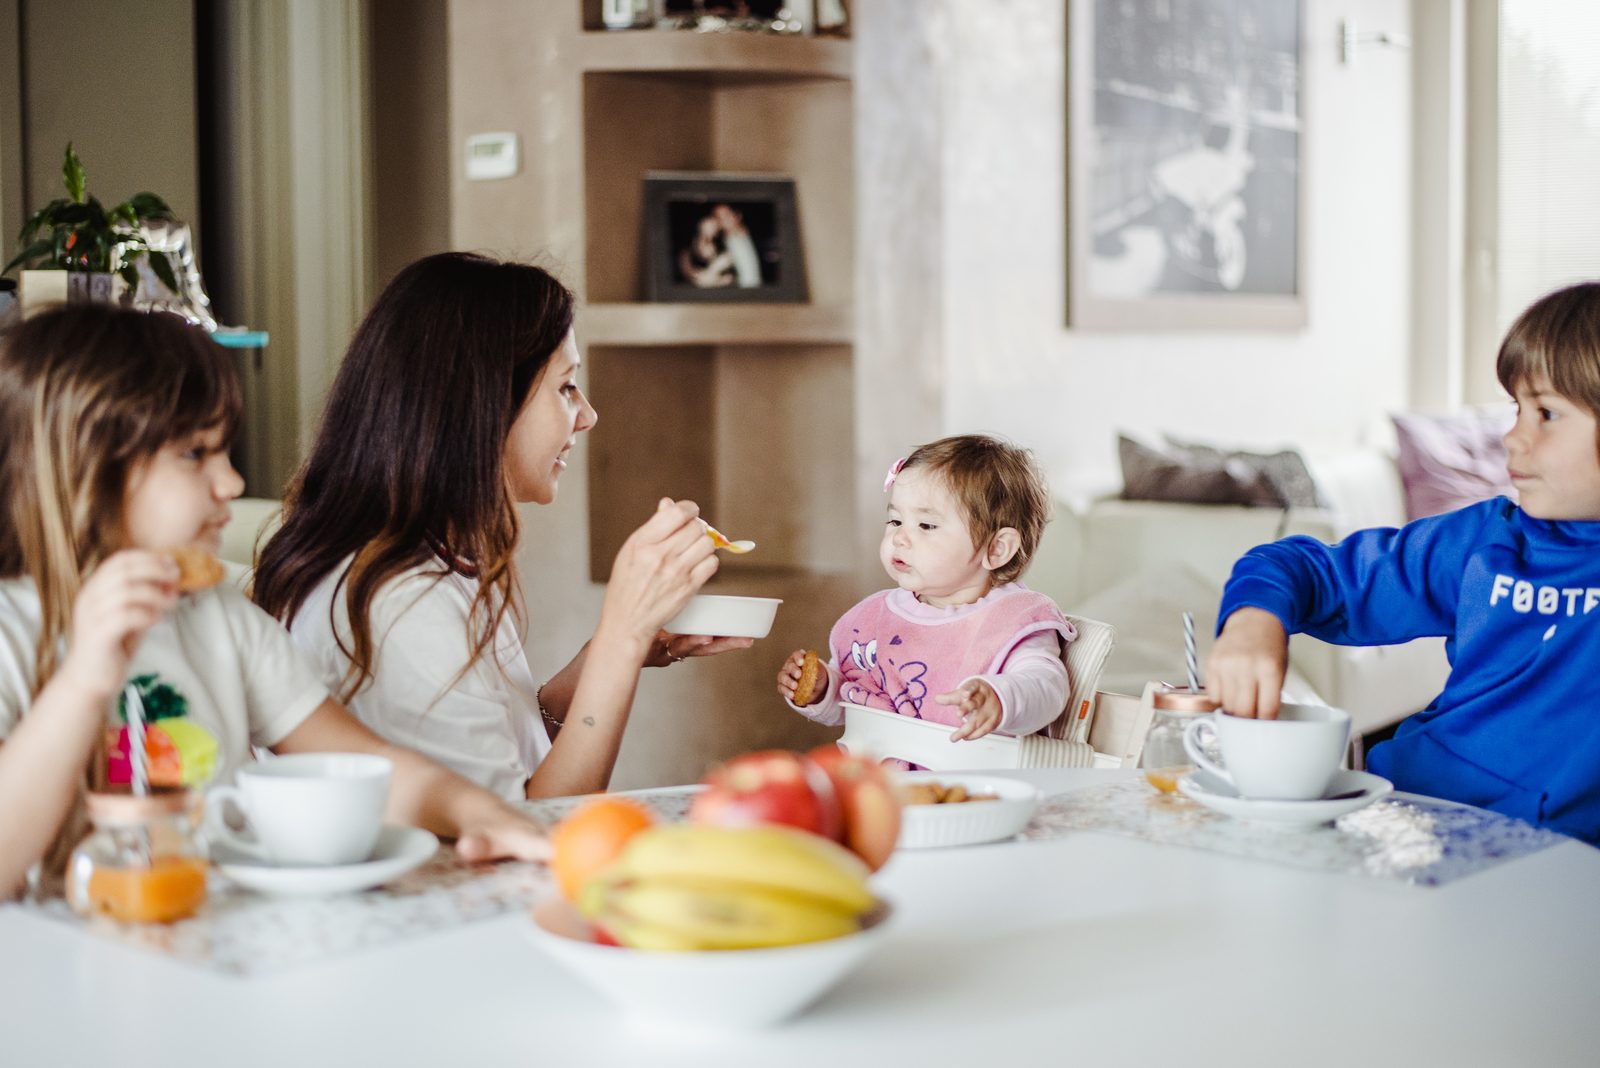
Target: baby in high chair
{"x":958,"y":640}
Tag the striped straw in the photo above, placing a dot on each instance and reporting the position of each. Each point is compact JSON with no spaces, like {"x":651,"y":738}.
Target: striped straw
{"x":137,"y":760}
{"x":1189,"y":662}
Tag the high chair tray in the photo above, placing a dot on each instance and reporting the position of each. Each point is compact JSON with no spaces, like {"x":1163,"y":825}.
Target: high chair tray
{"x":928,"y":745}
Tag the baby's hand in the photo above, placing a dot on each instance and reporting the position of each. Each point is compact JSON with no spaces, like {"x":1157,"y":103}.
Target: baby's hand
{"x":1247,"y":664}
{"x":980,"y":709}
{"x":803,"y":680}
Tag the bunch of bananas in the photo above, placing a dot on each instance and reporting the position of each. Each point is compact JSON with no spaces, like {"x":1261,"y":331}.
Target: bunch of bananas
{"x":693,"y":887}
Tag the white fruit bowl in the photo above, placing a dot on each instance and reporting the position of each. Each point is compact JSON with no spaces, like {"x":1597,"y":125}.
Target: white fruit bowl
{"x":732,"y":989}
{"x":722,"y":616}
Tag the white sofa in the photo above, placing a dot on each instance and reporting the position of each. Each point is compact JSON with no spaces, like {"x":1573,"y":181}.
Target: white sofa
{"x":1139,"y":564}
{"x":252,"y":518}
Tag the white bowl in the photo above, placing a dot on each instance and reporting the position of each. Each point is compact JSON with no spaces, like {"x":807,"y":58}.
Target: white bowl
{"x":721,"y":616}
{"x":967,"y":822}
{"x":736,"y":989}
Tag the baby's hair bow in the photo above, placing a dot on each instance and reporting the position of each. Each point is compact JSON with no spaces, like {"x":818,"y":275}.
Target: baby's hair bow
{"x":894,"y":470}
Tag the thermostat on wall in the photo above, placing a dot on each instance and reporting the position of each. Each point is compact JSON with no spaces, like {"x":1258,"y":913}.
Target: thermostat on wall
{"x":492,"y":155}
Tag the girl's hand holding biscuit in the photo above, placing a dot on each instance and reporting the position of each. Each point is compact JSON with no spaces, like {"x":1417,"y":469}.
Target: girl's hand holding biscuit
{"x":125,"y":596}
{"x":980,"y":709}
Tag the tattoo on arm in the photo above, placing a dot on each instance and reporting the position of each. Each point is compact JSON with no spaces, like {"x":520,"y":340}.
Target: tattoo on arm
{"x":588,"y":721}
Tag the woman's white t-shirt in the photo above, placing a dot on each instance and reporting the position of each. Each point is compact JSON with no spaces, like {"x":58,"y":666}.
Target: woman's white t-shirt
{"x":484,"y":725}
{"x":216,"y":663}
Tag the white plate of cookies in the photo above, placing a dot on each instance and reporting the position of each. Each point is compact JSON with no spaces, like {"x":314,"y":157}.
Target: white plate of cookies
{"x":956,"y":809}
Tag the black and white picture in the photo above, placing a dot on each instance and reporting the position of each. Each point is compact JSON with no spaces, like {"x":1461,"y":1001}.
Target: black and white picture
{"x":1185,"y":142}
{"x":713,"y":237}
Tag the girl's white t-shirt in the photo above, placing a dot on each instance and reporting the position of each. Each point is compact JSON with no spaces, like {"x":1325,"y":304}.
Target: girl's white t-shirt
{"x":483,"y":725}
{"x":216,"y":662}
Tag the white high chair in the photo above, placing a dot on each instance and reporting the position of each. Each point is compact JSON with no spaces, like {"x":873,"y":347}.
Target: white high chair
{"x":1094,"y":730}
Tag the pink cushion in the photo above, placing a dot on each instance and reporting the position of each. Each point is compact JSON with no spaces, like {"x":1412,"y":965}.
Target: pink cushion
{"x":1451,"y":461}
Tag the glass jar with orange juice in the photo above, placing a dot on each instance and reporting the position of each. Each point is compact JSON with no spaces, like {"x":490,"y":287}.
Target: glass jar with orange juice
{"x":144,"y":861}
{"x":1165,"y":761}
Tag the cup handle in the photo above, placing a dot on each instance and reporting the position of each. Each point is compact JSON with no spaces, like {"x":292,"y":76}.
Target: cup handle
{"x":1191,"y":745}
{"x":216,"y":826}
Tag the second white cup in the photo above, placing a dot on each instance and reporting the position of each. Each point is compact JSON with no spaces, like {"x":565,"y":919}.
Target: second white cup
{"x":309,"y":808}
{"x":1291,"y":758}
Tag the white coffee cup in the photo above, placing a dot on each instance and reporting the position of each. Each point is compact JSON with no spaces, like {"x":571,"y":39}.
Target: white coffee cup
{"x":309,"y":808}
{"x":1291,"y":758}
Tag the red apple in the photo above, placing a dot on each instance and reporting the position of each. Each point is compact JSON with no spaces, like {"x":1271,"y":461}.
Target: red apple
{"x":868,"y":799}
{"x":772,"y":786}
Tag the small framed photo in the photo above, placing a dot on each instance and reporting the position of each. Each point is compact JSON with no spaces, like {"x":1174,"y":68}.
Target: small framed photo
{"x":722,"y":237}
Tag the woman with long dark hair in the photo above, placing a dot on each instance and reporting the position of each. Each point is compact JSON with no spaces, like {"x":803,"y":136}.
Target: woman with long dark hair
{"x":456,"y":401}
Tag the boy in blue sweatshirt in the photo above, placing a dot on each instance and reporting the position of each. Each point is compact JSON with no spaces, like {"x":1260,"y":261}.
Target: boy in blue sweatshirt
{"x":1514,"y":588}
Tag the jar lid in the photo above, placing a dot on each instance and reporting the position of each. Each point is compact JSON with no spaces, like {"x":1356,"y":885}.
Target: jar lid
{"x":1183,"y":699}
{"x":120,"y":805}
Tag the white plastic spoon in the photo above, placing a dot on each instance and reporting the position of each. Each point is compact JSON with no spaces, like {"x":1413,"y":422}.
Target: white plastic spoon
{"x":721,"y":540}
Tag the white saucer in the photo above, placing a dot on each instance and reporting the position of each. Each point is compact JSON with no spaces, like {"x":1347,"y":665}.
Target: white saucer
{"x":399,"y":849}
{"x":967,"y":822}
{"x":1220,"y":796}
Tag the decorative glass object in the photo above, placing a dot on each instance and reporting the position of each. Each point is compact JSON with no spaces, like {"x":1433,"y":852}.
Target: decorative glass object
{"x":1165,"y":761}
{"x":144,"y":861}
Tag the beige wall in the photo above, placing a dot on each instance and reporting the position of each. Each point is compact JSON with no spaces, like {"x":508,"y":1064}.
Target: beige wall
{"x":990,"y":134}
{"x":410,"y":133}
{"x":117,"y":80}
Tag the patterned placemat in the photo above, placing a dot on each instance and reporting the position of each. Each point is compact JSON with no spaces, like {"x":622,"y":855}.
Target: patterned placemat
{"x":668,"y":804}
{"x":1402,"y":837}
{"x":246,"y":933}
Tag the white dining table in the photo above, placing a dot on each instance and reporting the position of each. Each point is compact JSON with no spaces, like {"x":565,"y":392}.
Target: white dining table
{"x":1087,"y":949}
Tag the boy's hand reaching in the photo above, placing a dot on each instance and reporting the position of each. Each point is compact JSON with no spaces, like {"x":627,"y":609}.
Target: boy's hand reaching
{"x":980,"y":709}
{"x":1247,"y":664}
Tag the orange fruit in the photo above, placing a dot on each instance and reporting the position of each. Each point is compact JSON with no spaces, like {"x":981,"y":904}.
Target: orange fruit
{"x":591,"y":838}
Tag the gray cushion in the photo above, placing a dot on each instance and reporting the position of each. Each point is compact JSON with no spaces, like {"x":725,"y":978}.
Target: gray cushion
{"x":1201,"y":474}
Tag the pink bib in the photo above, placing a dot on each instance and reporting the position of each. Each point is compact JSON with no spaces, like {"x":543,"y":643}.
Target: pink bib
{"x":899,"y":664}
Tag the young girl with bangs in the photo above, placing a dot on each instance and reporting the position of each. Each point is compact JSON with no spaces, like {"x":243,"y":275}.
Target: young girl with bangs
{"x":458,"y":400}
{"x":115,"y":427}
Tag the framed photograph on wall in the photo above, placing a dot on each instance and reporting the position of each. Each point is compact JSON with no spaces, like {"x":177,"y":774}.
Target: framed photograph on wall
{"x":722,"y":237}
{"x":1186,"y":186}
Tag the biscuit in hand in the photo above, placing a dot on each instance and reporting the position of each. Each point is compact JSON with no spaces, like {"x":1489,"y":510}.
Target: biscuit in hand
{"x":197,"y":569}
{"x":812,"y":679}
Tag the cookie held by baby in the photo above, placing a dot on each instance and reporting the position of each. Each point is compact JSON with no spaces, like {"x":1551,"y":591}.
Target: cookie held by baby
{"x":812,"y":681}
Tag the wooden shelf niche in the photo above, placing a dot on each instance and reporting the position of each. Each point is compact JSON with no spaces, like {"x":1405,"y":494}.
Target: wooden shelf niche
{"x":746,"y":408}
{"x":761,"y":441}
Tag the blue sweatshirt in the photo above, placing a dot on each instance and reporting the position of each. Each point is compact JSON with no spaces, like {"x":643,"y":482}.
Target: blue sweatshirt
{"x":1517,"y":728}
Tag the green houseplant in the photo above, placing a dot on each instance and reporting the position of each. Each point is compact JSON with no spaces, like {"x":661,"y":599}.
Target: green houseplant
{"x":77,"y":233}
